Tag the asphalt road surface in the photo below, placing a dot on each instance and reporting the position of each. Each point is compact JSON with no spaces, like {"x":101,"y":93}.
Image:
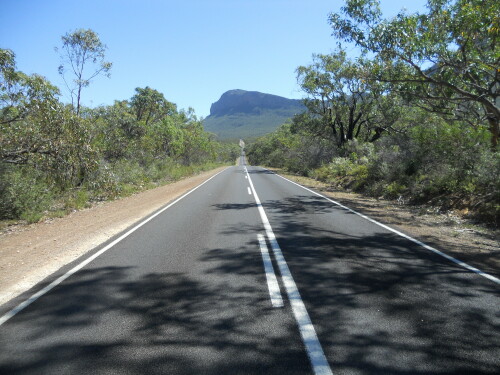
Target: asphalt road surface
{"x":252,"y":274}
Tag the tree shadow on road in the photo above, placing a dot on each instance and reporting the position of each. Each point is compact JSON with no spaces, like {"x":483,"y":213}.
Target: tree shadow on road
{"x":382,"y":304}
{"x":168,"y":323}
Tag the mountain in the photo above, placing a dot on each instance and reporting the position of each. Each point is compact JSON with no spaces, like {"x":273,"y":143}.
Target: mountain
{"x":242,"y":114}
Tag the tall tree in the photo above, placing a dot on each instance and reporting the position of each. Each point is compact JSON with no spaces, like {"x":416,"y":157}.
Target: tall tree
{"x":83,"y":55}
{"x":340,"y":98}
{"x":447,"y":55}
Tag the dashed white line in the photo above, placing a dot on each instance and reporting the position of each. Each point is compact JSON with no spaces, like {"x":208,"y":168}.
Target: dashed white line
{"x":249,"y":191}
{"x":272,"y":281}
{"x":313,"y":347}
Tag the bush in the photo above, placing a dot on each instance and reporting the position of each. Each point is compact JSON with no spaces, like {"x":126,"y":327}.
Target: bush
{"x":77,"y":200}
{"x":24,"y":194}
{"x":394,"y":190}
{"x":343,"y":172}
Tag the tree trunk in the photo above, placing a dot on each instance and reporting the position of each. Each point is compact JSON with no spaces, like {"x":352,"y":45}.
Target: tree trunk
{"x":341,"y":133}
{"x":350,"y":128}
{"x":377,"y":135}
{"x":78,"y":100}
{"x":495,"y":132}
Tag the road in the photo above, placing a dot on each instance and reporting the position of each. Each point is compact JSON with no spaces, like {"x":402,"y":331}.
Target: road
{"x":252,"y":274}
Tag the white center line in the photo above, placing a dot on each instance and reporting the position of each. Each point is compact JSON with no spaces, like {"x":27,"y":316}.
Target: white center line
{"x":314,"y":350}
{"x":272,"y":281}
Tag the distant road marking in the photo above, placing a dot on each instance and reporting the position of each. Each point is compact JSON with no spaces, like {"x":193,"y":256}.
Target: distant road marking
{"x":249,"y":191}
{"x":420,"y":243}
{"x":72,"y":271}
{"x":314,"y":350}
{"x":272,"y":281}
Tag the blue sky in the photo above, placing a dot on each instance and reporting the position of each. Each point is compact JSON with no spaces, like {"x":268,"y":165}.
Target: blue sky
{"x":190,"y":50}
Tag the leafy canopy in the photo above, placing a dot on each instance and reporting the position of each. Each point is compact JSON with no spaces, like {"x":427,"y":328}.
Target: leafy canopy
{"x":150,"y":105}
{"x":449,"y":55}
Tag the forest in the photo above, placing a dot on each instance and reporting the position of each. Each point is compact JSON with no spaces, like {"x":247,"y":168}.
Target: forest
{"x":57,"y":157}
{"x":413,"y":115}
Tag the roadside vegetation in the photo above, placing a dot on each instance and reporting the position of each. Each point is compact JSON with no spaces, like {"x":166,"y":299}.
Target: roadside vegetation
{"x":415,"y":117}
{"x":57,"y":157}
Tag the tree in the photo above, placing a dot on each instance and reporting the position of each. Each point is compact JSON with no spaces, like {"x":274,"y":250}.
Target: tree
{"x":20,"y":94}
{"x":341,"y":99}
{"x":83,"y":55}
{"x":24,"y":98}
{"x":117,"y":129}
{"x":448,"y":56}
{"x":150,"y":105}
{"x":39,"y":131}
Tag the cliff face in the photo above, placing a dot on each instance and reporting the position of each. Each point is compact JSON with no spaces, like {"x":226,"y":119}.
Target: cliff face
{"x":240,"y":114}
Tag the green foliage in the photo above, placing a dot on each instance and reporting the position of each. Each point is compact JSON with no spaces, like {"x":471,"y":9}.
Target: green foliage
{"x":348,"y":172}
{"x":338,"y":97}
{"x":77,"y":200}
{"x":394,"y":190}
{"x":53,"y":160}
{"x":130,"y":176}
{"x":25,"y":193}
{"x":286,"y":149}
{"x":150,"y":105}
{"x":227,"y":151}
{"x":344,"y":101}
{"x":410,"y":122}
{"x":446,"y":164}
{"x":37,"y":130}
{"x":446,"y":57}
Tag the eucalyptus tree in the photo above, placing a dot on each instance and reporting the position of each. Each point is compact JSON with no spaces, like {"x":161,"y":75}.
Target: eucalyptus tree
{"x":37,"y":130}
{"x":150,"y":105}
{"x":448,"y":56}
{"x":341,"y":99}
{"x":82,"y":57}
{"x":23,"y":99}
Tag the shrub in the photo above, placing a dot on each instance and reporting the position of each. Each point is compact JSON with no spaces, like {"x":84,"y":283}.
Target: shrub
{"x":394,"y":190}
{"x":360,"y":175}
{"x":77,"y":200}
{"x":25,"y":194}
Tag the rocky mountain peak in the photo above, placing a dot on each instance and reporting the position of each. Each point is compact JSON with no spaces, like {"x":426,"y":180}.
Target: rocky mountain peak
{"x":250,"y":102}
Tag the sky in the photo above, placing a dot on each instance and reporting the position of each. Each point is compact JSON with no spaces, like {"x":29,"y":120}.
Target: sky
{"x":192,"y":51}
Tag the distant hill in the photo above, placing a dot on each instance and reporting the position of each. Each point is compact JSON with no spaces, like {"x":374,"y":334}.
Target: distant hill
{"x":243,"y":114}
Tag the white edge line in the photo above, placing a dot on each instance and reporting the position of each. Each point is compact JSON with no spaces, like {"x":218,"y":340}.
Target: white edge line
{"x":272,"y":281}
{"x":310,"y":339}
{"x":75,"y":269}
{"x":420,"y":243}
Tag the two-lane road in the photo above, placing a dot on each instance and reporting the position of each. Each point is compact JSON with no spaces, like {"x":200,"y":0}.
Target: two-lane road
{"x":190,"y":292}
